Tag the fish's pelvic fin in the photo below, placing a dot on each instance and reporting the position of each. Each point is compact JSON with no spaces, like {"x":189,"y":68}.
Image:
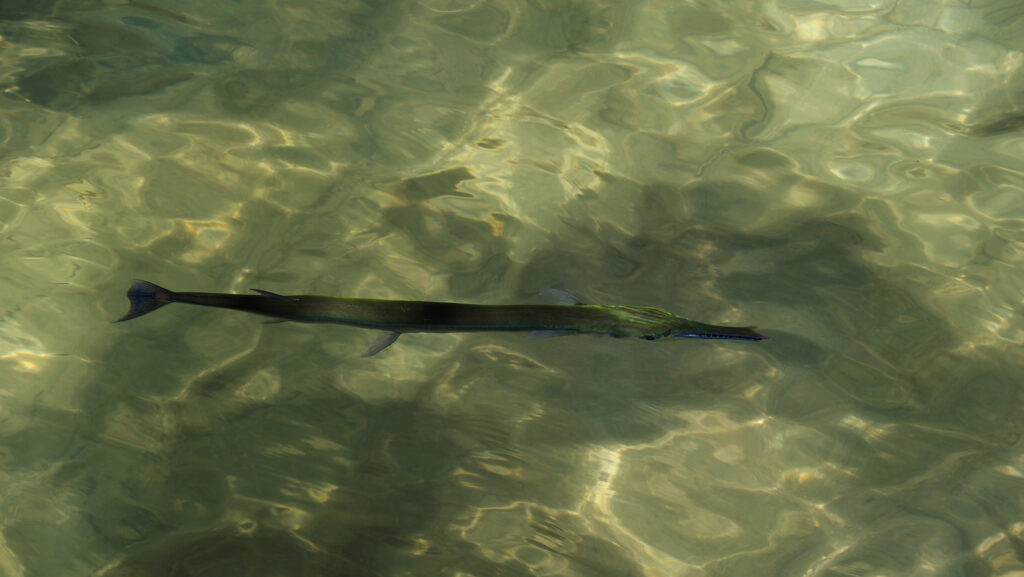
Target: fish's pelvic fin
{"x":275,"y":295}
{"x":145,"y":297}
{"x":384,"y":341}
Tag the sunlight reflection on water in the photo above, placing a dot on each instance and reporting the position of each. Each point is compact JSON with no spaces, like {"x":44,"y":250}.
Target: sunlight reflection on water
{"x":845,"y":175}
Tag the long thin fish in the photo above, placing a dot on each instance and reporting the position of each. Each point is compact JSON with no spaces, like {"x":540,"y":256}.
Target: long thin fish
{"x":397,"y":317}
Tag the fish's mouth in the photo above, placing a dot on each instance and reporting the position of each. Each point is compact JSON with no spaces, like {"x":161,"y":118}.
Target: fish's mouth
{"x":725,"y":333}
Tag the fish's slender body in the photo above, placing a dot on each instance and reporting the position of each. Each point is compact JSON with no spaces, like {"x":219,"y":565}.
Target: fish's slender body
{"x":397,"y":317}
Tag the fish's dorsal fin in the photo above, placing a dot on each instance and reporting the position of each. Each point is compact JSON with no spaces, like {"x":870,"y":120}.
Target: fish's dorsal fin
{"x":383,"y":341}
{"x":554,"y":296}
{"x":275,"y":295}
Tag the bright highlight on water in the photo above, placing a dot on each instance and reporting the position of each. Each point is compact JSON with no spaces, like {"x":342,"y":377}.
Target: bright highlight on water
{"x":568,"y":317}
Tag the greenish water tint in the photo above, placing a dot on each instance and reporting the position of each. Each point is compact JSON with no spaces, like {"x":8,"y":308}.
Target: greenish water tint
{"x":846,"y":175}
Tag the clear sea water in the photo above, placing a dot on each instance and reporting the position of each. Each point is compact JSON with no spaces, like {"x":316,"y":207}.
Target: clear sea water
{"x":847,"y":175}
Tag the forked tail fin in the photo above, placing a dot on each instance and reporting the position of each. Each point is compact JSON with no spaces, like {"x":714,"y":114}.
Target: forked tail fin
{"x":146,"y":297}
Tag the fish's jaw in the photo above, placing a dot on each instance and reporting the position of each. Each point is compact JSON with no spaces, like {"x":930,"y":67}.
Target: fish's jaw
{"x":695,"y":330}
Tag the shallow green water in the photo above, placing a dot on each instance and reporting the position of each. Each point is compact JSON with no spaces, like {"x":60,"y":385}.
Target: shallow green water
{"x":846,"y":175}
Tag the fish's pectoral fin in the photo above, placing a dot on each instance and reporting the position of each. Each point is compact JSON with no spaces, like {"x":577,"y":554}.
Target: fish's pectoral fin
{"x":549,"y":334}
{"x":275,"y":295}
{"x":384,"y":341}
{"x":554,"y":296}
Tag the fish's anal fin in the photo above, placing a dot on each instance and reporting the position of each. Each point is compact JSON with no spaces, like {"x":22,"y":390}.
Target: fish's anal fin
{"x":554,"y":296}
{"x":548,"y":334}
{"x":383,"y":341}
{"x":275,"y":295}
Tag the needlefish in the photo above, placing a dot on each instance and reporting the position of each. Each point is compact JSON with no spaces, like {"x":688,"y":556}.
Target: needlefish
{"x":567,"y":315}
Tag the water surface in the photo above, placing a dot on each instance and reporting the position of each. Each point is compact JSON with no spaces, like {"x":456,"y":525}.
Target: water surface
{"x":846,"y":175}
